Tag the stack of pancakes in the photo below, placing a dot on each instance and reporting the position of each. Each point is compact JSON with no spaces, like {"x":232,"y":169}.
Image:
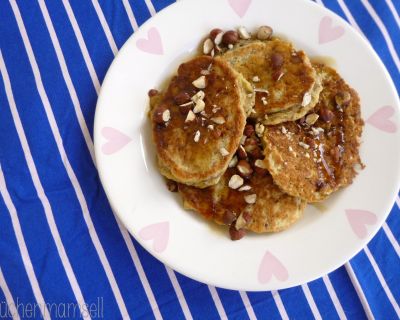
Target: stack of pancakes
{"x":252,"y":131}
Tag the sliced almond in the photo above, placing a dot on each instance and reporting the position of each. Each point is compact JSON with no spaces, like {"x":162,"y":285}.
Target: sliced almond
{"x":200,"y":82}
{"x":190,"y":116}
{"x":197,"y":136}
{"x":208,"y":45}
{"x":199,"y":107}
{"x":251,"y":198}
{"x":235,"y":181}
{"x":166,"y":115}
{"x":264,"y":101}
{"x":218,"y":38}
{"x":224,"y":152}
{"x":284,"y":130}
{"x":240,"y":222}
{"x":233,"y":162}
{"x":260,"y":128}
{"x":260,"y":163}
{"x":218,"y":120}
{"x":304,"y":145}
{"x":243,"y":33}
{"x":245,"y":188}
{"x":186,"y":104}
{"x":210,"y":127}
{"x":261,"y":90}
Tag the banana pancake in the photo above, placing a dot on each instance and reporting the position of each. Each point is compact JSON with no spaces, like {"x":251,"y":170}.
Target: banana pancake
{"x":315,"y":156}
{"x":198,"y":121}
{"x":285,"y":82}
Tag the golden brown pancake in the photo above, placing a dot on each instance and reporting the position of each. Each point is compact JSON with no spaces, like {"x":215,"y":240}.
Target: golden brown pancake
{"x":312,"y":160}
{"x":245,"y":197}
{"x":286,"y":84}
{"x":199,"y":120}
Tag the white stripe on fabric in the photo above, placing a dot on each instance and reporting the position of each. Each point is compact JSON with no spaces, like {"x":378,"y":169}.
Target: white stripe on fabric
{"x":9,"y":299}
{"x":67,"y":165}
{"x":130,"y":14}
{"x":349,"y":16}
{"x":391,"y":238}
{"x":140,"y":271}
{"x":179,"y":293}
{"x":384,"y":32}
{"x":383,"y":282}
{"x":335,"y":300}
{"x":359,"y":291}
{"x":105,"y":26}
{"x":26,"y":260}
{"x":218,"y":303}
{"x":394,"y":11}
{"x":279,"y":305}
{"x":247,"y":305}
{"x":319,"y":2}
{"x":67,"y":79}
{"x":311,"y":302}
{"x":82,"y":45}
{"x":398,"y":201}
{"x":150,"y":6}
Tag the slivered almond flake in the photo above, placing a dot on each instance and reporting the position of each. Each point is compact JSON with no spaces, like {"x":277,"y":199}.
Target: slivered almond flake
{"x":218,"y":120}
{"x":197,"y":136}
{"x":312,"y":118}
{"x":284,"y":130}
{"x":224,"y":152}
{"x":190,"y":116}
{"x":245,"y":188}
{"x":235,"y":181}
{"x":260,"y":128}
{"x":243,"y":33}
{"x":256,"y":79}
{"x":200,"y":83}
{"x":260,"y":163}
{"x":264,"y":101}
{"x":233,"y":162}
{"x":205,"y":72}
{"x":200,"y":105}
{"x":218,"y":38}
{"x":306,"y":99}
{"x":166,"y":115}
{"x":250,"y":199}
{"x":210,"y":127}
{"x":261,"y":90}
{"x":186,"y":104}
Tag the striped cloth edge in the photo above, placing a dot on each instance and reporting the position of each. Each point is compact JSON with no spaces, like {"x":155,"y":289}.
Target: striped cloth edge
{"x":63,"y":67}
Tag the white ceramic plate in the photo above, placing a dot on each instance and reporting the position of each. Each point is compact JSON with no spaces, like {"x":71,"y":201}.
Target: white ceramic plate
{"x":319,"y":243}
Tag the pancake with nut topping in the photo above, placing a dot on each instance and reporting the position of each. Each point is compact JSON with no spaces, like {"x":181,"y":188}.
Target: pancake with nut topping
{"x":286,"y":84}
{"x":317,"y":155}
{"x":245,"y":198}
{"x":199,"y":120}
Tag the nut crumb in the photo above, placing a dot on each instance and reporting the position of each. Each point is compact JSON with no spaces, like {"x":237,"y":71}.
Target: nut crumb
{"x":198,"y":96}
{"x":190,"y":116}
{"x":210,"y":127}
{"x":260,"y":163}
{"x":245,"y":188}
{"x":200,"y":83}
{"x":235,"y":181}
{"x":312,"y":118}
{"x":230,"y":46}
{"x":304,"y":145}
{"x":224,"y":152}
{"x":290,"y":149}
{"x":250,"y":199}
{"x":166,"y":115}
{"x":200,"y":105}
{"x":306,"y":99}
{"x":261,"y":90}
{"x":256,"y":79}
{"x":233,"y":162}
{"x":243,"y":140}
{"x":284,"y":130}
{"x":260,"y":128}
{"x":264,"y":101}
{"x":218,"y":120}
{"x":243,"y":33}
{"x":197,"y":136}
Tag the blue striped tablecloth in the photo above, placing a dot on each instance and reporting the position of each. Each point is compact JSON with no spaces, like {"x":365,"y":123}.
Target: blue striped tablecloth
{"x":61,"y":248}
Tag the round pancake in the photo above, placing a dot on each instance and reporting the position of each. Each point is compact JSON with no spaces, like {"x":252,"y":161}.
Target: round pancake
{"x":312,"y":160}
{"x":193,"y":146}
{"x":273,"y":210}
{"x":286,"y":84}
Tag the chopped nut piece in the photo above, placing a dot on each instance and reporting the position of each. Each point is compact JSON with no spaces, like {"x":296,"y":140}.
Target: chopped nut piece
{"x":197,"y":136}
{"x":250,"y":199}
{"x":208,"y":45}
{"x":200,"y":83}
{"x":264,"y":33}
{"x":260,"y":128}
{"x":236,"y":234}
{"x":241,"y":152}
{"x":235,"y":181}
{"x":244,"y":169}
{"x":256,"y":79}
{"x":240,"y":222}
{"x":243,"y":33}
{"x":172,"y":186}
{"x":224,"y":152}
{"x":230,"y":46}
{"x":243,"y":140}
{"x":190,"y":116}
{"x":166,"y":115}
{"x":264,"y":101}
{"x":248,"y":130}
{"x":317,"y":131}
{"x":326,"y":114}
{"x":218,"y":120}
{"x":218,"y":38}
{"x":198,"y":96}
{"x":304,"y":145}
{"x":205,"y":72}
{"x":307,"y":155}
{"x":210,"y":127}
{"x":215,"y":109}
{"x":312,"y":118}
{"x":233,"y":162}
{"x":200,"y":105}
{"x":284,"y":130}
{"x":245,"y":188}
{"x":290,"y":149}
{"x":261,"y":90}
{"x":186,"y":104}
{"x":306,"y":99}
{"x":260,"y":164}
{"x":343,"y":98}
